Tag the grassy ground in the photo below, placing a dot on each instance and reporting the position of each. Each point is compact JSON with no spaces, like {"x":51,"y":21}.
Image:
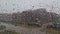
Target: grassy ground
{"x":50,"y":30}
{"x":8,"y":32}
{"x":4,"y":31}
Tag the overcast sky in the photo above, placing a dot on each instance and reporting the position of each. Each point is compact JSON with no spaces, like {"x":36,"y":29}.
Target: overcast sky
{"x":9,"y":6}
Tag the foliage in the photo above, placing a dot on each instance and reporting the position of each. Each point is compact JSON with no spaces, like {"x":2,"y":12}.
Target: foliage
{"x":38,"y":16}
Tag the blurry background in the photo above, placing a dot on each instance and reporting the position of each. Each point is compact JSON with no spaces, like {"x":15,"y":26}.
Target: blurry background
{"x":10,"y":6}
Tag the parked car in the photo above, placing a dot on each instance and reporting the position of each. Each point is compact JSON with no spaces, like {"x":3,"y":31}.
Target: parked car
{"x":54,"y":25}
